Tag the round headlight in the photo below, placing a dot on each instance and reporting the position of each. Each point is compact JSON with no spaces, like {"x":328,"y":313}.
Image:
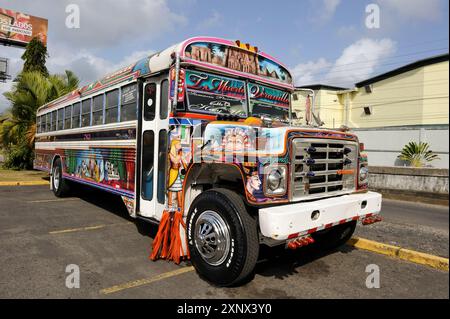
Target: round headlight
{"x":363,"y":173}
{"x":274,"y":179}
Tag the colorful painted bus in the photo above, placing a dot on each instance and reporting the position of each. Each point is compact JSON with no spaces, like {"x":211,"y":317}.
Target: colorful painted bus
{"x":199,"y":139}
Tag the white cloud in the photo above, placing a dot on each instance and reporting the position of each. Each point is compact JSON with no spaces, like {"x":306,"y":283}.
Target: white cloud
{"x":104,"y":23}
{"x":15,"y":65}
{"x":324,"y":10}
{"x":307,"y":73}
{"x":87,"y":66}
{"x":427,"y":10}
{"x":357,"y":62}
{"x":215,"y":20}
{"x":4,"y":103}
{"x":108,"y":29}
{"x":90,"y":67}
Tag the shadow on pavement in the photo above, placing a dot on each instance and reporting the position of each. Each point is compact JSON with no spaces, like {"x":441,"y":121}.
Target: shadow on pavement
{"x":281,"y":263}
{"x":107,"y":201}
{"x":276,"y":262}
{"x":113,"y":204}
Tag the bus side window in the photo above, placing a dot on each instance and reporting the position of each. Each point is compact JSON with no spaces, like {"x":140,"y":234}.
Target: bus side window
{"x":147,"y":164}
{"x":112,"y":106}
{"x":162,"y":166}
{"x":164,"y":100}
{"x":53,"y":126}
{"x":97,"y":110}
{"x":48,"y":122}
{"x":67,"y":117}
{"x":149,"y":101}
{"x":60,"y":119}
{"x":128,"y":104}
{"x":86,"y":113}
{"x":76,"y":115}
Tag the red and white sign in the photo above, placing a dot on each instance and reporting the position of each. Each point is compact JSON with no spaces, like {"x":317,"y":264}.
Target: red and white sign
{"x":19,"y":29}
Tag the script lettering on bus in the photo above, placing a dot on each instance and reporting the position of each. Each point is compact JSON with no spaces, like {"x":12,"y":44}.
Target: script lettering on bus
{"x":259,"y":92}
{"x":86,"y":137}
{"x":200,"y":82}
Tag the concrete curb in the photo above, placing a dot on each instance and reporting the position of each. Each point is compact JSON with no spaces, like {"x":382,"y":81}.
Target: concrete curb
{"x":401,"y":253}
{"x":24,"y":183}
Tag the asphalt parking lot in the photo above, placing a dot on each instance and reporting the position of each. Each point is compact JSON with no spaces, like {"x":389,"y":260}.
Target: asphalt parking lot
{"x":40,"y":235}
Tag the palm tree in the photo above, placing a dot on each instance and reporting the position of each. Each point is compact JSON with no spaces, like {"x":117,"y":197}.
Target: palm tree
{"x":31,"y":90}
{"x":417,"y":154}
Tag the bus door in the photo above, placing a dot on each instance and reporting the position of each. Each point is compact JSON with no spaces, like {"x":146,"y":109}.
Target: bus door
{"x":154,"y":148}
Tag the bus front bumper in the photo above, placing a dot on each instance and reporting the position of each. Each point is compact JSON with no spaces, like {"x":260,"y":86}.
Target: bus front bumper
{"x":288,"y":221}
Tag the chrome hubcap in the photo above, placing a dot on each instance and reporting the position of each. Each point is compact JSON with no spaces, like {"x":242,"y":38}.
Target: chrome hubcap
{"x":56,"y":178}
{"x":212,"y":237}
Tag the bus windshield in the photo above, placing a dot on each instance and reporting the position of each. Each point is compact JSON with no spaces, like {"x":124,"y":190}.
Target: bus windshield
{"x":208,"y":93}
{"x":268,"y":102}
{"x":215,"y":94}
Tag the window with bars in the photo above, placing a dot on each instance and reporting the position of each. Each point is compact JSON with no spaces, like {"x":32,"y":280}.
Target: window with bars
{"x":97,"y":110}
{"x":86,"y":113}
{"x":128,"y":106}
{"x":76,"y":115}
{"x":67,"y":117}
{"x":60,"y":123}
{"x":53,"y":126}
{"x":48,"y":121}
{"x":112,"y":106}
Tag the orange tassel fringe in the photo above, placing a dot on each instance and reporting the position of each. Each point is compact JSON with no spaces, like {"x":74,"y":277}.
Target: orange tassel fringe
{"x":167,"y":243}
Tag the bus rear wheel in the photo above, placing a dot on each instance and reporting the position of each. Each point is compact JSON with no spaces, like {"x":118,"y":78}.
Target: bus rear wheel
{"x":222,"y":237}
{"x":60,"y":185}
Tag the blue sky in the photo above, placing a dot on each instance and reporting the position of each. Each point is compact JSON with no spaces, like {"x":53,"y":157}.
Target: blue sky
{"x":321,"y":41}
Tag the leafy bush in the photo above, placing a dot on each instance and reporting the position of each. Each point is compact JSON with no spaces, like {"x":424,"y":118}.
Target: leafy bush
{"x":417,"y":154}
{"x":19,"y":157}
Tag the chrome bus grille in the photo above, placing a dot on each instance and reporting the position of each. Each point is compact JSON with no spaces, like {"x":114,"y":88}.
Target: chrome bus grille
{"x":323,"y":167}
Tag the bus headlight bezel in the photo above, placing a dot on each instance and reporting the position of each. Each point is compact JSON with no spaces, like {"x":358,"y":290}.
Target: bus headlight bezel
{"x":363,"y":176}
{"x":275,"y":180}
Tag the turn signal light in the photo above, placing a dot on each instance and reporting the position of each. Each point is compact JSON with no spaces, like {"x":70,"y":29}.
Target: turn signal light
{"x":300,"y":242}
{"x":246,"y":46}
{"x":371,"y":219}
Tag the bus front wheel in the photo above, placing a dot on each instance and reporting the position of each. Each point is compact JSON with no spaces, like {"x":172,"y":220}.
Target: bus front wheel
{"x":59,"y":184}
{"x":222,"y":237}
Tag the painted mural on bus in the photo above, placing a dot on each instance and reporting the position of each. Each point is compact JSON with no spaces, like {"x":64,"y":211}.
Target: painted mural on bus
{"x":109,"y":167}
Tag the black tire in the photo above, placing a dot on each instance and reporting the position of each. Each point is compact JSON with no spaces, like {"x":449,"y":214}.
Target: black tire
{"x":336,"y":236}
{"x":60,"y":189}
{"x":240,"y":260}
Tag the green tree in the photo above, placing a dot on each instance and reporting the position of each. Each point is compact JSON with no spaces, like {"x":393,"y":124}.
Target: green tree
{"x":34,"y":57}
{"x":417,"y":154}
{"x":18,"y":129}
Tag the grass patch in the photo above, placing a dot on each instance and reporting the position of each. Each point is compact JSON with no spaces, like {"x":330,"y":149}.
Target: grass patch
{"x":9,"y":175}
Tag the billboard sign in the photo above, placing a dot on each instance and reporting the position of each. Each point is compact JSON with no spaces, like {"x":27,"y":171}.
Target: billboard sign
{"x":19,"y":29}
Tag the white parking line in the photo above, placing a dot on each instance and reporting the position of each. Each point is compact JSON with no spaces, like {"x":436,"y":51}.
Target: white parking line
{"x":72,"y":230}
{"x":53,"y":200}
{"x":146,"y":281}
